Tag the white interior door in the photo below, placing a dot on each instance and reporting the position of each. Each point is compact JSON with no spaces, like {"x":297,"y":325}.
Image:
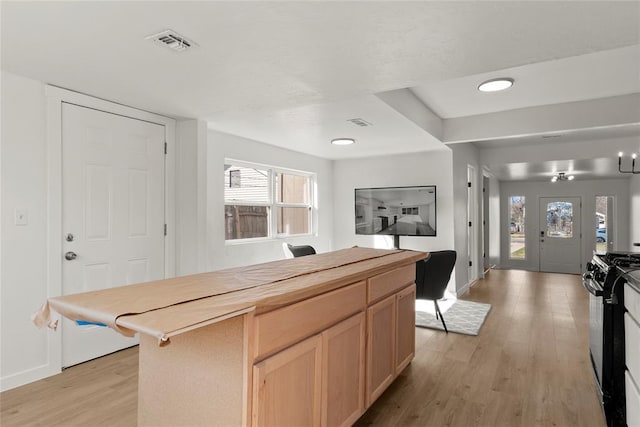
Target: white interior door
{"x":112,"y":215}
{"x":560,"y":234}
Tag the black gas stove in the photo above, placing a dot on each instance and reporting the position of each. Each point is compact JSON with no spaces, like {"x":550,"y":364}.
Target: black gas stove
{"x":622,"y":259}
{"x":605,"y":282}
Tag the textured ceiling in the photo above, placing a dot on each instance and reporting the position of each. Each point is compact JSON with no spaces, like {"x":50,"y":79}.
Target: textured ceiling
{"x":270,"y":55}
{"x":291,"y":73}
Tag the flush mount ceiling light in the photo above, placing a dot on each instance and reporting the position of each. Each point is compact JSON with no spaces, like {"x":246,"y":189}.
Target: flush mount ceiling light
{"x":562,"y":177}
{"x":343,"y":141}
{"x":495,"y":85}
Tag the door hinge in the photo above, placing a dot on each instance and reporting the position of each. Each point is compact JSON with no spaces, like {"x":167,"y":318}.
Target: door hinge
{"x":165,"y":229}
{"x":469,"y":184}
{"x":165,"y":148}
{"x":470,"y":263}
{"x":469,"y":223}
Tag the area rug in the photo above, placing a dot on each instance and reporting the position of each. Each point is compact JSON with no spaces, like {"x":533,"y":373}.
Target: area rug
{"x":462,"y":317}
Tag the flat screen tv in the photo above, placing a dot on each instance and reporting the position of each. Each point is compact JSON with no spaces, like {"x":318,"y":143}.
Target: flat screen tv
{"x":396,"y":211}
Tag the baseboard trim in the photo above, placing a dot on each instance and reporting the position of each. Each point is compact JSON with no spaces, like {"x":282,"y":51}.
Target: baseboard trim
{"x":27,"y":376}
{"x":460,"y":292}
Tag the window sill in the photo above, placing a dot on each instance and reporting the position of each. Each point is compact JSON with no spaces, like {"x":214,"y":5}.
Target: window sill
{"x":255,"y":240}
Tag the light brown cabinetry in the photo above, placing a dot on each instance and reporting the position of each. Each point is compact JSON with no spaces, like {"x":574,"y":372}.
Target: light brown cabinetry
{"x":319,"y":381}
{"x":304,"y":342}
{"x":405,"y":327}
{"x":343,"y":348}
{"x":381,"y":336}
{"x":390,"y":340}
{"x":287,"y":386}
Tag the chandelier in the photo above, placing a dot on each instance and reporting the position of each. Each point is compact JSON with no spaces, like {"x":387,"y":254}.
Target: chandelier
{"x":633,"y":164}
{"x":561,"y":176}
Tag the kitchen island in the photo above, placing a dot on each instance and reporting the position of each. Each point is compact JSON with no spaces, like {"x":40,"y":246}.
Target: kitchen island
{"x":306,"y":341}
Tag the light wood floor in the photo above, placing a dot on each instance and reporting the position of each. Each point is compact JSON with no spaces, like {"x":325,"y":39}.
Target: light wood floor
{"x":528,"y":367}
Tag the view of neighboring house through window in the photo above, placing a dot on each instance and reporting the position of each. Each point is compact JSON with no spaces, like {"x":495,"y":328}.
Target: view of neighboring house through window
{"x":516,"y":227}
{"x":262,"y":202}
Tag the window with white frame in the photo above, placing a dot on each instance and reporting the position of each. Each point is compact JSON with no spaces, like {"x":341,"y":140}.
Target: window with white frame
{"x":263,"y":201}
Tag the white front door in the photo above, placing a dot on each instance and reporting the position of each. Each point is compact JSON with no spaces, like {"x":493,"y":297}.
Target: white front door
{"x":112,"y":215}
{"x":560,"y":235}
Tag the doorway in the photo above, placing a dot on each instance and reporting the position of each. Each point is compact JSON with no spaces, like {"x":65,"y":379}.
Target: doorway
{"x":486,"y":262}
{"x":471,"y":221}
{"x":113,"y":204}
{"x":560,"y":234}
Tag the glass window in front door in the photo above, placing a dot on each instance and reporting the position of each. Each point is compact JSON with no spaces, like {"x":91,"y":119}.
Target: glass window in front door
{"x":560,"y":220}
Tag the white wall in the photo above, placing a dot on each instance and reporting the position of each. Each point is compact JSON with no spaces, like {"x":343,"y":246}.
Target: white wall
{"x":224,"y":255}
{"x":28,"y":278}
{"x":426,"y":168}
{"x":634,"y":193}
{"x":23,"y":278}
{"x":587,"y":191}
{"x":191,"y":197}
{"x":464,"y":155}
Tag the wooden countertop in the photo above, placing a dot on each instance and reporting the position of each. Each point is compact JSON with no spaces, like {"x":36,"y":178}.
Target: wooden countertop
{"x":165,"y":308}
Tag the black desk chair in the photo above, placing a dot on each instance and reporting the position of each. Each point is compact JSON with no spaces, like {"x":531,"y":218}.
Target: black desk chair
{"x":432,"y":277}
{"x":297,"y":251}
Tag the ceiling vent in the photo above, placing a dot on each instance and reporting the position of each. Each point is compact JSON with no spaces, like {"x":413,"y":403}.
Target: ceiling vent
{"x":172,"y":40}
{"x":360,"y":122}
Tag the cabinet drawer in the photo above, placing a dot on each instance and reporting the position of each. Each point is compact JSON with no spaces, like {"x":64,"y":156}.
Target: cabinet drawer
{"x":632,"y":345}
{"x":280,"y":328}
{"x":632,"y":301}
{"x":633,"y":401}
{"x":387,"y":283}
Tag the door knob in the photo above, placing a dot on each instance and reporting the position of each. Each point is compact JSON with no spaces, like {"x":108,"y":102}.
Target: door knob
{"x":70,"y":256}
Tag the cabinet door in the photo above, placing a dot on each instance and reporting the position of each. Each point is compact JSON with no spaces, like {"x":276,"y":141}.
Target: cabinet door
{"x":287,"y":386}
{"x":381,"y":344}
{"x":405,"y":327}
{"x":343,"y":348}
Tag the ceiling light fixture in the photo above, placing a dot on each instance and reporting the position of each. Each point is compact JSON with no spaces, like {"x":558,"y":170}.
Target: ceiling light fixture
{"x":495,"y":85}
{"x":561,"y":176}
{"x":343,"y":141}
{"x":633,"y":164}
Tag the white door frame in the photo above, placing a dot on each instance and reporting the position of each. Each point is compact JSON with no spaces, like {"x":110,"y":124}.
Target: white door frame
{"x":486,"y":262}
{"x":472,"y":218}
{"x":55,"y":98}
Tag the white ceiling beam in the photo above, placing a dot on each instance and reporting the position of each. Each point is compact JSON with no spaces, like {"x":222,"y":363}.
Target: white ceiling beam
{"x":538,"y":153}
{"x":548,"y":119}
{"x":406,"y":103}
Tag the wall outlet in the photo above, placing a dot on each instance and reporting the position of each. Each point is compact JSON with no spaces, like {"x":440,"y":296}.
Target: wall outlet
{"x":21,"y":217}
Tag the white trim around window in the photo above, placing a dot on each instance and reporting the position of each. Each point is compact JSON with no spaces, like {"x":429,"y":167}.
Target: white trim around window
{"x":270,"y":200}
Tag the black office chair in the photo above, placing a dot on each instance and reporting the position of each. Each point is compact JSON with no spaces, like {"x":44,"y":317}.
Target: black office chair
{"x":298,"y":251}
{"x":432,"y":277}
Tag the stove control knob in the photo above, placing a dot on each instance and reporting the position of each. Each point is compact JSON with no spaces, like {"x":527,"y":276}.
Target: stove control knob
{"x":590,"y":266}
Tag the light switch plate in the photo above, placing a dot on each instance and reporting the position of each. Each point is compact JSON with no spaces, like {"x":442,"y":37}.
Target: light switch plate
{"x":21,"y":217}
